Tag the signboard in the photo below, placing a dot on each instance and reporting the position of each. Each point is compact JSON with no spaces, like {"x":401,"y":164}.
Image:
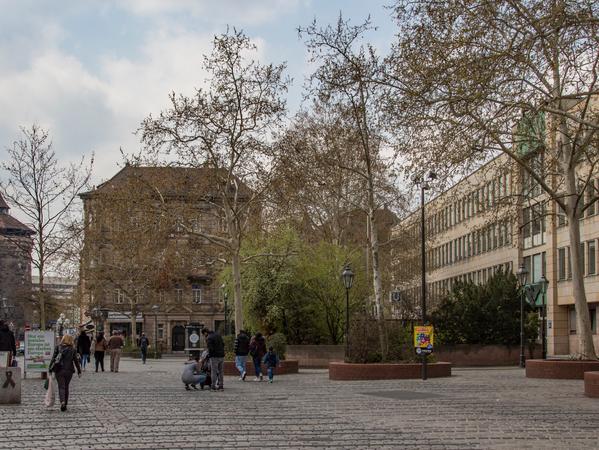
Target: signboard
{"x":39,"y":346}
{"x":423,"y":339}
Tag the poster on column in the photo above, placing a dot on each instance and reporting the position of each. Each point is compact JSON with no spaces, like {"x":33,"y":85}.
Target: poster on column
{"x":39,"y":346}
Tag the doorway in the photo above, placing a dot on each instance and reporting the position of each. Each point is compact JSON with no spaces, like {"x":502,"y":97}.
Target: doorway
{"x":178,"y":338}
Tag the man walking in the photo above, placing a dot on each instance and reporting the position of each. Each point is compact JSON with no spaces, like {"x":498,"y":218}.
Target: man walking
{"x":216,"y":353}
{"x":7,"y":342}
{"x":144,"y":343}
{"x":115,"y":344}
{"x":242,"y":348}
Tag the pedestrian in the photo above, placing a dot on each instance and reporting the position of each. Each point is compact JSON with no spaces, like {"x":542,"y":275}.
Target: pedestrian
{"x":216,"y":353}
{"x":143,"y":344}
{"x":271,"y":361}
{"x":63,"y":367}
{"x":115,"y":345}
{"x":100,"y":346}
{"x":192,"y":372}
{"x":83,"y":348}
{"x":7,"y":342}
{"x":257,"y":351}
{"x":242,"y":348}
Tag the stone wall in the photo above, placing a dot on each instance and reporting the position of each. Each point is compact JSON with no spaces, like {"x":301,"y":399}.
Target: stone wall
{"x":319,"y":356}
{"x":15,"y":279}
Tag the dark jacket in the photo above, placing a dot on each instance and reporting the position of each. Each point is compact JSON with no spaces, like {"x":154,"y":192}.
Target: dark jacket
{"x":7,"y":340}
{"x":270,"y":359}
{"x":216,"y":345}
{"x":258,"y":347}
{"x":84,"y":344}
{"x":144,"y":343}
{"x":68,"y":360}
{"x":242,"y":344}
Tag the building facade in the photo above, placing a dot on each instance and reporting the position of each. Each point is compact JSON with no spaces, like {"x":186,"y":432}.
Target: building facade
{"x":482,"y":225}
{"x":16,"y":306}
{"x":145,"y":259}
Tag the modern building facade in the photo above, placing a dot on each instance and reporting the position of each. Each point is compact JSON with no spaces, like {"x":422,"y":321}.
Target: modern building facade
{"x":481,"y":225}
{"x":16,"y":304}
{"x":144,"y":261}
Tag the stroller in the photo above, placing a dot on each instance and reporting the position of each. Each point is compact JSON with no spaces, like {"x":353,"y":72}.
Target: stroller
{"x":205,"y":370}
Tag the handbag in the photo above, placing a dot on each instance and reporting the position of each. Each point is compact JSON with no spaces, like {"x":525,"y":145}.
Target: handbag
{"x":50,"y":393}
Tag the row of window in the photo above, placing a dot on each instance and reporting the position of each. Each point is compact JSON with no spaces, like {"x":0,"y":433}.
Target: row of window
{"x":588,"y":260}
{"x":572,"y":319}
{"x":178,"y":296}
{"x":480,"y":241}
{"x":470,"y":205}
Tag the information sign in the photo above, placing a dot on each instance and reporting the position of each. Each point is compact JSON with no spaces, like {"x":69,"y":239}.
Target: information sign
{"x":423,"y":339}
{"x":39,"y":346}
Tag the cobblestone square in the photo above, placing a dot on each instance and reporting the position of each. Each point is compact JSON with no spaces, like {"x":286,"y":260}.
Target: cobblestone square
{"x":146,"y":407}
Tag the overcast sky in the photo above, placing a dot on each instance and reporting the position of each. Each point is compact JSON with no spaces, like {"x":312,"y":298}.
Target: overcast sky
{"x":91,"y":70}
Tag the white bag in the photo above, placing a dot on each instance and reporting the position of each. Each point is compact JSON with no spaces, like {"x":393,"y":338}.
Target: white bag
{"x":51,"y":392}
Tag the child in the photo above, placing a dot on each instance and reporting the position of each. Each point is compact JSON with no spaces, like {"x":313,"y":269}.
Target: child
{"x":271,"y":360}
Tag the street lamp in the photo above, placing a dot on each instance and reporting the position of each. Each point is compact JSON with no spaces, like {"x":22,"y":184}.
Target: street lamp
{"x":225,"y":300}
{"x":155,"y":308}
{"x":424,"y":185}
{"x":522,"y":275}
{"x":62,"y":322}
{"x":544,"y":283}
{"x":348,"y":279}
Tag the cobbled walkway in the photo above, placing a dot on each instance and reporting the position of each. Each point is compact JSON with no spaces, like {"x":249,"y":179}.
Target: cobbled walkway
{"x":146,"y":407}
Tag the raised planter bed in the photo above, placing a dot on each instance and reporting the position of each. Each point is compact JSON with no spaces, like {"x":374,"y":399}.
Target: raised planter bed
{"x":379,"y":371}
{"x":288,"y":366}
{"x":591,"y":384}
{"x":559,"y":369}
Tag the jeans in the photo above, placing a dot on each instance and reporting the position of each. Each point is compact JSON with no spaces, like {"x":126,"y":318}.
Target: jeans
{"x":63,"y":378}
{"x":240,"y":363}
{"x":99,"y":357}
{"x":216,"y":372}
{"x":257,"y":362}
{"x":271,"y":373}
{"x":84,"y":360}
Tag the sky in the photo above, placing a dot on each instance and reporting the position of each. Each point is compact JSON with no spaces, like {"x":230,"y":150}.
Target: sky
{"x":90,"y":71}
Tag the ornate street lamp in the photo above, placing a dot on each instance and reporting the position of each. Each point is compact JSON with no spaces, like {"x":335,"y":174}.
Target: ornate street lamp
{"x":543,"y":283}
{"x":522,"y":275}
{"x":155,"y":309}
{"x":62,"y":322}
{"x":348,"y":279}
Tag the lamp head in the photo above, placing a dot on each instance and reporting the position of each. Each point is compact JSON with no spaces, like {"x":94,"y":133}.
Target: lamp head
{"x":522,"y":275}
{"x":348,"y":277}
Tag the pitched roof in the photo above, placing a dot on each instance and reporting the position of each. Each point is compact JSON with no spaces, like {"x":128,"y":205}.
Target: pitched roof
{"x":9,"y":225}
{"x":3,"y":204}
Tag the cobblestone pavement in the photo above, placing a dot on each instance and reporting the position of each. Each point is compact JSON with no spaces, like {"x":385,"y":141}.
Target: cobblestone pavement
{"x":146,"y":407}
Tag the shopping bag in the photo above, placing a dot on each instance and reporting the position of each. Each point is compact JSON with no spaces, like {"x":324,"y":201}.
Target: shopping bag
{"x":50,"y":393}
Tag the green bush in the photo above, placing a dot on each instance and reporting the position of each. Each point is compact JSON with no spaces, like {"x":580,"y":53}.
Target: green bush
{"x":278,"y":341}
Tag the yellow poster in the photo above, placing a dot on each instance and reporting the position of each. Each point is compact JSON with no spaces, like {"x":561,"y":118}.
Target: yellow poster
{"x":423,"y":338}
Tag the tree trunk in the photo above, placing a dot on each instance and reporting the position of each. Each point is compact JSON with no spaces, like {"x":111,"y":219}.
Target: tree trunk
{"x":377,"y":282}
{"x":236,"y":270}
{"x":42,"y":297}
{"x":133,"y":324}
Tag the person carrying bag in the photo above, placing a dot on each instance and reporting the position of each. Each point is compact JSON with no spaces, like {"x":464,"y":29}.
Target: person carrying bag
{"x":63,"y":364}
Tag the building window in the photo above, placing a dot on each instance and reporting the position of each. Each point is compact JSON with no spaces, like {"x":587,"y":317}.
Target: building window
{"x":590,"y":194}
{"x":196,"y":293}
{"x":572,"y":320}
{"x":591,"y":245}
{"x":533,"y":226}
{"x":178,"y":295}
{"x":561,"y":263}
{"x":119,"y":297}
{"x":160,"y":331}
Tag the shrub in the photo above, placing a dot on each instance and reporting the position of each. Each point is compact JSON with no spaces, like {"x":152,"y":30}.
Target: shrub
{"x":278,"y":341}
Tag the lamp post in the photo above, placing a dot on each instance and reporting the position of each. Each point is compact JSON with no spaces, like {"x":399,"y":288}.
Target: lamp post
{"x":423,"y":187}
{"x":155,"y":309}
{"x":544,"y":283}
{"x":348,"y":279}
{"x":226,"y":298}
{"x":522,"y":275}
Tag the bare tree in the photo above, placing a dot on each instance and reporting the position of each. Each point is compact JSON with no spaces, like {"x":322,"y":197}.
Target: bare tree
{"x":347,"y":75}
{"x":46,"y":192}
{"x":474,"y":79}
{"x":226,"y":127}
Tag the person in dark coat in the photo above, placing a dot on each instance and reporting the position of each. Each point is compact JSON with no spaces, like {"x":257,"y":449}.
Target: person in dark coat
{"x":84,"y":344}
{"x":257,"y":351}
{"x":7,"y":341}
{"x":216,"y":353}
{"x":143,"y":345}
{"x":64,"y":367}
{"x":241,"y":349}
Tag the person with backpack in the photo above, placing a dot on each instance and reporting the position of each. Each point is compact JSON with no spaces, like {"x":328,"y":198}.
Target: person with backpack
{"x":271,"y":360}
{"x":63,"y":364}
{"x":257,"y":351}
{"x":241,"y":349}
{"x":83,"y":348}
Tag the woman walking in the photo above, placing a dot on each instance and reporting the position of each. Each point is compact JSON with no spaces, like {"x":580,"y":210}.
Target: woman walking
{"x":63,"y":364}
{"x":100,"y":345}
{"x":83,"y":348}
{"x":257,"y":351}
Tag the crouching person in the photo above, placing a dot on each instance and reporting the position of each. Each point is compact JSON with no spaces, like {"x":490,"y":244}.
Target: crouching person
{"x":192,"y":373}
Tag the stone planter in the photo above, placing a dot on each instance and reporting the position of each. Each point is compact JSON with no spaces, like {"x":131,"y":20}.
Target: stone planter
{"x":591,"y":384}
{"x":381,"y":371}
{"x":288,"y":366}
{"x":559,"y":369}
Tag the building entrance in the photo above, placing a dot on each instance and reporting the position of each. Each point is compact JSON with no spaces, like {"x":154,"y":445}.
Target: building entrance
{"x":178,"y":338}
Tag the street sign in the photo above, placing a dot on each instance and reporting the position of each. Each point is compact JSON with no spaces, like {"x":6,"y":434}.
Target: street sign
{"x":423,"y":339}
{"x":39,"y":346}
